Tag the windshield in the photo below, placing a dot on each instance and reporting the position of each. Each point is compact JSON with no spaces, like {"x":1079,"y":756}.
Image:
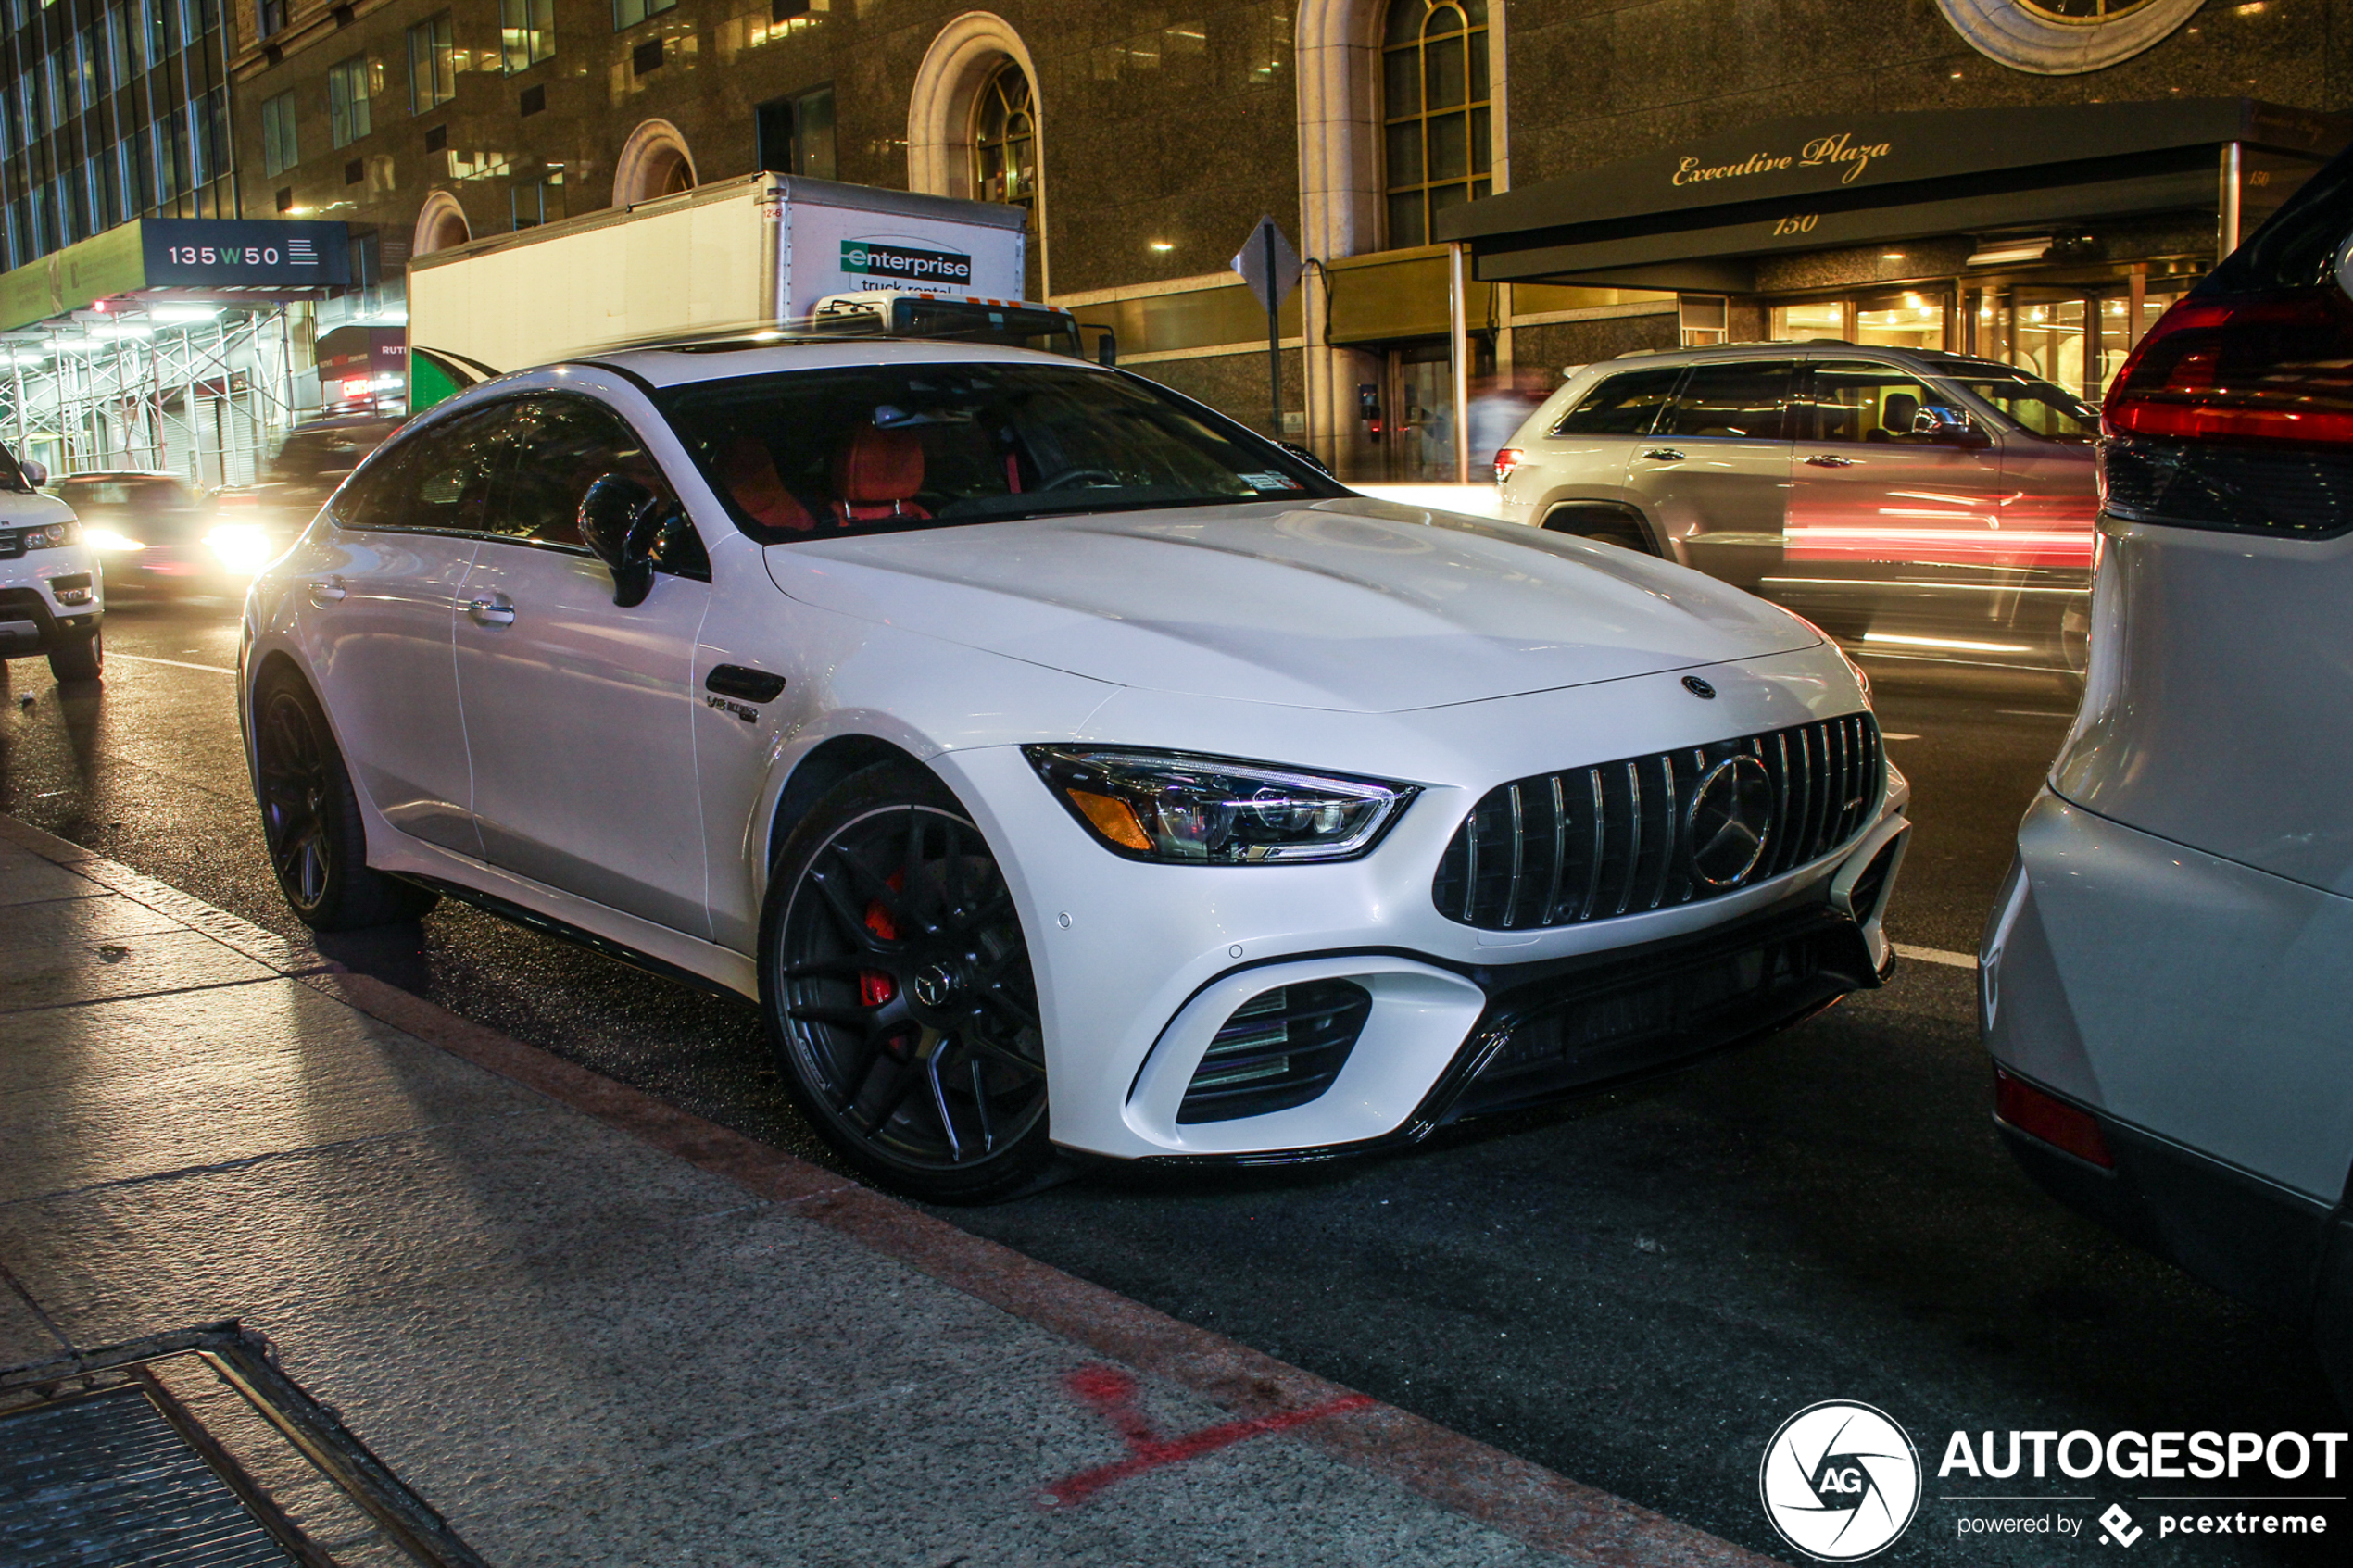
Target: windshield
{"x":888,"y":448}
{"x":2034,"y":406}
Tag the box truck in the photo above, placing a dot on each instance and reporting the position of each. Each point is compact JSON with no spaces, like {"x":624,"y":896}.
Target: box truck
{"x":740,"y":254}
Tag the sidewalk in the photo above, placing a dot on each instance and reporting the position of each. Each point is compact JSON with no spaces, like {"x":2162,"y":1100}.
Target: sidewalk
{"x":585,"y":1328}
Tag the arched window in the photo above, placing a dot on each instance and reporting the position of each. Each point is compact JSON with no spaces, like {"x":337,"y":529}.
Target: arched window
{"x":1005,"y":141}
{"x":1438,"y":140}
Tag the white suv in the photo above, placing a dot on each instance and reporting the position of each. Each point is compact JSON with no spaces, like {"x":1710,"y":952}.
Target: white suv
{"x":52,"y":595}
{"x":2165,"y":976}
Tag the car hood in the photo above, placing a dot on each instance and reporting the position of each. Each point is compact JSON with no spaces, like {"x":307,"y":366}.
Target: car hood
{"x":18,"y":509}
{"x":1356,"y":604}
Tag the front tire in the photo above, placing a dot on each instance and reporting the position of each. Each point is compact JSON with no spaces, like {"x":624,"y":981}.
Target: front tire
{"x":897,"y":988}
{"x":80,"y":663}
{"x":310,"y":819}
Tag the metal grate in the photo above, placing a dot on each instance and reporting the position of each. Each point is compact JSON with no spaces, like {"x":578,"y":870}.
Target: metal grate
{"x":1280,"y":1048}
{"x":107,"y":1479}
{"x":1594,"y":843}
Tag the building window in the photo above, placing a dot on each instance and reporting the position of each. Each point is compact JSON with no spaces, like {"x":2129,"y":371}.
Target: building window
{"x":538,"y":201}
{"x":527,"y":32}
{"x":1005,"y":141}
{"x":1437,"y":138}
{"x":432,"y":64}
{"x":629,"y":13}
{"x":348,"y":99}
{"x":273,"y":14}
{"x":795,"y":133}
{"x":280,"y":151}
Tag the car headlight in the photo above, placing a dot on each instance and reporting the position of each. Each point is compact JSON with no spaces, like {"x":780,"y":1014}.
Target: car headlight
{"x":107,"y":542}
{"x":244,"y":547}
{"x":50,"y":535}
{"x":1171,"y":806}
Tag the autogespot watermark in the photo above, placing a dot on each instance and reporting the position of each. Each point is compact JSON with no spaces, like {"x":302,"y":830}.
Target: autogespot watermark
{"x":1841,"y":1481}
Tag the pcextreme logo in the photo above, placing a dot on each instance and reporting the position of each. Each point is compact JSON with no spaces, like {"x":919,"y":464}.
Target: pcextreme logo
{"x":1839,"y":1481}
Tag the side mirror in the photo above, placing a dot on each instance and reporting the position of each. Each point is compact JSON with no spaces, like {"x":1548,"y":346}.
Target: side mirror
{"x":620,"y":522}
{"x":36,"y":473}
{"x":1107,"y":347}
{"x":1947,"y":426}
{"x":1305,"y":456}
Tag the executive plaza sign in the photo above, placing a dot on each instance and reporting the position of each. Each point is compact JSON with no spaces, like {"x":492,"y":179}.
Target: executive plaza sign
{"x":1844,"y":153}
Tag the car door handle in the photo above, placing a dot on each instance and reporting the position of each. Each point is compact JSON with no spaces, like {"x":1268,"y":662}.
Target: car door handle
{"x":490,"y":612}
{"x":326,"y":593}
{"x":1664,"y":455}
{"x":1824,"y":461}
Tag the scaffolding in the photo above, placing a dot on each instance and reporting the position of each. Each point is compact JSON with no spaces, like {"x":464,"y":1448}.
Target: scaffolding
{"x":203,"y":392}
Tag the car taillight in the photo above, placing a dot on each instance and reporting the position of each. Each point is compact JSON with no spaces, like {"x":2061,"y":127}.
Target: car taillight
{"x":2050,"y":1119}
{"x":1508,"y":460}
{"x":2270,"y":366}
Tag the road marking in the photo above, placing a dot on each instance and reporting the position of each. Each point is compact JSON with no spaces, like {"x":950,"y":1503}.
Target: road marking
{"x":1891,"y":735}
{"x":1112,"y":1393}
{"x":1935,"y":955}
{"x":175,"y":663}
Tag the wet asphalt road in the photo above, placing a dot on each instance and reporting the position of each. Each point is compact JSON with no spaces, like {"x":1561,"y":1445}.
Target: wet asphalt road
{"x":1634,"y":1289}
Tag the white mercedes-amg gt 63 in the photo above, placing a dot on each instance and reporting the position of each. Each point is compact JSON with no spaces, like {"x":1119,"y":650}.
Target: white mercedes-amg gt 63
{"x":1058,"y":764}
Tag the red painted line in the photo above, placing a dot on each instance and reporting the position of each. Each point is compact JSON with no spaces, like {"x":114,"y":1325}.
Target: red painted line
{"x":1112,"y":1393}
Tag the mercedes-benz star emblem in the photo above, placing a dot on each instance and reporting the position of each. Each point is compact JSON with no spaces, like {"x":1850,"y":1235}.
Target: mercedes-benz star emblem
{"x":935,"y":986}
{"x":1732,"y":816}
{"x":1698,"y":687}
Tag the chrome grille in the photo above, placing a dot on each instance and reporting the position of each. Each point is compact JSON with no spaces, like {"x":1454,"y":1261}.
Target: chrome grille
{"x":1594,"y":843}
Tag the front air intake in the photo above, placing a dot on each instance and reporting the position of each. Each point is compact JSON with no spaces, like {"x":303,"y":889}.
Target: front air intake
{"x":1646,"y":832}
{"x":1280,"y":1048}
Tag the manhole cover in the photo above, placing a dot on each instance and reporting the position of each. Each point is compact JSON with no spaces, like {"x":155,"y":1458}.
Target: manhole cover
{"x":194,"y":1451}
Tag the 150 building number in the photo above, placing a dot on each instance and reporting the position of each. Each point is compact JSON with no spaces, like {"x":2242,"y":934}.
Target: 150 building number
{"x":1802,"y":224}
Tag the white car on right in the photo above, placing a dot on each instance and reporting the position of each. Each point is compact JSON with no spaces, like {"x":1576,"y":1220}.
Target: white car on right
{"x":2165,"y":977}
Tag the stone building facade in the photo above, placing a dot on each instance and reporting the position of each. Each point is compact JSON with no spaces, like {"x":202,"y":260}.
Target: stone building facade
{"x":1148,"y":138}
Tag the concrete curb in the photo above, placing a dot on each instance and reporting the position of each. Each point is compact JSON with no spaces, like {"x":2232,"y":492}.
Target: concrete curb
{"x":1524,"y":1500}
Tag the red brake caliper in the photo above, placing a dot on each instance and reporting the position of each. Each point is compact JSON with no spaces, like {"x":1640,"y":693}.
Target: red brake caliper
{"x":875,"y":987}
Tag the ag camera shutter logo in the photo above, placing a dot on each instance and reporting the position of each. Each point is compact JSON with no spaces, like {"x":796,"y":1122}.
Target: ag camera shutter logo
{"x":1839,"y":1481}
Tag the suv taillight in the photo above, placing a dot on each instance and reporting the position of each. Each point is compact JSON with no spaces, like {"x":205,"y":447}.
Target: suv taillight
{"x":2236,"y":414}
{"x":2270,"y":367}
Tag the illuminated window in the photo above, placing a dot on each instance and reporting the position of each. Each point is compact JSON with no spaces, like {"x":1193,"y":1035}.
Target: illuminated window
{"x":433,"y":64}
{"x":1005,"y":141}
{"x":1439,"y":138}
{"x":527,"y":32}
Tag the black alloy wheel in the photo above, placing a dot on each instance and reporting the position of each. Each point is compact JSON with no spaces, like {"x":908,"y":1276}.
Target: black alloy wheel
{"x":310,"y":821}
{"x":898,"y":990}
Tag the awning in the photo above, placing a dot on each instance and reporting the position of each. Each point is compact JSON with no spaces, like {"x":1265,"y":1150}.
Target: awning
{"x":1692,"y":214}
{"x":269,"y":258}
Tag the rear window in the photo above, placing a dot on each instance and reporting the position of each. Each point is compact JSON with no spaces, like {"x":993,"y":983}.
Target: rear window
{"x":1746,"y":398}
{"x":150,"y":494}
{"x":1625,"y":404}
{"x":887,"y":449}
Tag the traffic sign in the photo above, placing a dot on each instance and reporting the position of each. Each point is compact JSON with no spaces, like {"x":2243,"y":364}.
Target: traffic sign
{"x":1267,"y":254}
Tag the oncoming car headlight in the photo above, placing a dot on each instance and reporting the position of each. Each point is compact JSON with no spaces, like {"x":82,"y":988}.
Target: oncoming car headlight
{"x":1170,"y":805}
{"x":242,"y":547}
{"x":106,"y":541}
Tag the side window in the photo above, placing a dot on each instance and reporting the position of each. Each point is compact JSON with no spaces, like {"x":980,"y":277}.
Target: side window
{"x":1624,"y":404}
{"x":554,"y":448}
{"x":1742,"y":398}
{"x":438,"y":481}
{"x":1855,"y":400}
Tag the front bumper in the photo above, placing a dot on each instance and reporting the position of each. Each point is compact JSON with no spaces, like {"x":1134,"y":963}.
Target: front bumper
{"x":1548,"y":1031}
{"x":1140,"y":966}
{"x":32,"y":620}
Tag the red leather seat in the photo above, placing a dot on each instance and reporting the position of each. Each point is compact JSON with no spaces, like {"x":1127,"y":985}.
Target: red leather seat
{"x":876,"y":473}
{"x":750,"y":473}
